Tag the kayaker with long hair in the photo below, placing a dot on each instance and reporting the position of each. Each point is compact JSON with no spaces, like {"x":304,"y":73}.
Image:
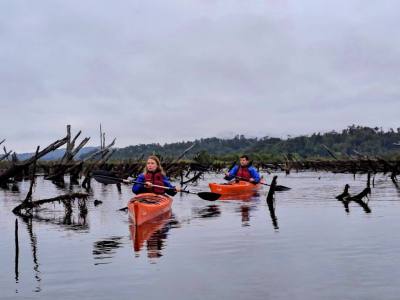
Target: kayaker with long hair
{"x":243,"y":171}
{"x":153,"y":174}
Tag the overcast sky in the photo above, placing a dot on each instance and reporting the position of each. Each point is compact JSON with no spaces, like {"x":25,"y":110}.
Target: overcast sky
{"x":163,"y":71}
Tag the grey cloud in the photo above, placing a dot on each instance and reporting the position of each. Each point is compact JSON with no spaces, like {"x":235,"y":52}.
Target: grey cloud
{"x":159,"y":71}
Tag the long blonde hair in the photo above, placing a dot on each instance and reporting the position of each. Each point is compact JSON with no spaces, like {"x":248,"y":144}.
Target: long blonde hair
{"x":159,"y":167}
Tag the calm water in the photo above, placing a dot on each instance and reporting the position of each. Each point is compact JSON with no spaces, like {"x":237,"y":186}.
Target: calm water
{"x":209,"y":250}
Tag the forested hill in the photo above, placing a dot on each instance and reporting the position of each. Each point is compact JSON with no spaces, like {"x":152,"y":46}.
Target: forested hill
{"x":370,"y":141}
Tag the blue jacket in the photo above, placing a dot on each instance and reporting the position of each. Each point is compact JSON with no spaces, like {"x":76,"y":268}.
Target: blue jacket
{"x":253,"y":172}
{"x":139,"y":188}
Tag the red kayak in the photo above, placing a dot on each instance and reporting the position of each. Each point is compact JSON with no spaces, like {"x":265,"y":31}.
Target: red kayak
{"x":147,"y":206}
{"x":235,"y":188}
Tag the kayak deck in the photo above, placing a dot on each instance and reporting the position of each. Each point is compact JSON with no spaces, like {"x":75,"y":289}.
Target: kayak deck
{"x":147,"y":206}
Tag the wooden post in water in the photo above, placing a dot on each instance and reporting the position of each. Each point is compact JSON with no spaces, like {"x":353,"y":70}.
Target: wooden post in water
{"x":271,"y":192}
{"x":32,"y":178}
{"x":16,"y":252}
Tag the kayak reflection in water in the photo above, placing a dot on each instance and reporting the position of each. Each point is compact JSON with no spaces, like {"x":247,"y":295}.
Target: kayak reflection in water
{"x":152,"y":176}
{"x":243,"y":171}
{"x":153,"y":233}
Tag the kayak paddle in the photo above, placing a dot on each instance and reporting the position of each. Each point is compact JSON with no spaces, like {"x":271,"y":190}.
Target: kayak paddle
{"x":109,"y":178}
{"x":279,"y":188}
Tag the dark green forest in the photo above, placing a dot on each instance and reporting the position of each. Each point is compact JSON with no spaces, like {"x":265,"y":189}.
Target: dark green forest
{"x":354,"y":139}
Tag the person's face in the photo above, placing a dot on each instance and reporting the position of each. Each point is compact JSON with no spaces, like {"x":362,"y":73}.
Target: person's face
{"x":244,"y":162}
{"x":151,"y":165}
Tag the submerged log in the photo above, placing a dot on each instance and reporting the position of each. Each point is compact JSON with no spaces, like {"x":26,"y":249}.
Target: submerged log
{"x":346,"y":198}
{"x":28,"y":206}
{"x":345,"y":193}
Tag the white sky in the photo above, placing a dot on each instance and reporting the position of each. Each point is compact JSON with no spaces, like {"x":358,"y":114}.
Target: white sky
{"x":164,"y":71}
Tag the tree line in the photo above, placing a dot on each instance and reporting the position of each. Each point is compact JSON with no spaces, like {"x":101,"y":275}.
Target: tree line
{"x":353,"y":139}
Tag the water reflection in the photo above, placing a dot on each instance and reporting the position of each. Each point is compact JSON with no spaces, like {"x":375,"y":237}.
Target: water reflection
{"x":16,"y":260}
{"x":240,"y":197}
{"x":105,"y":249}
{"x":154,"y":233}
{"x":271,"y":208}
{"x":69,"y":219}
{"x":33,"y":243}
{"x":210,"y":211}
{"x":361,"y":203}
{"x":245,"y":213}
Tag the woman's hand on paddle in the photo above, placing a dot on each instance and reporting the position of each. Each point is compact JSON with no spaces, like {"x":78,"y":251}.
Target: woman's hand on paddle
{"x":148,"y":185}
{"x":126,"y":181}
{"x":177,"y":189}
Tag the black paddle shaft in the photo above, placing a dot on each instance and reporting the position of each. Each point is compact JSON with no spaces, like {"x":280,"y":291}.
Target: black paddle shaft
{"x":109,"y":178}
{"x":278,"y":187}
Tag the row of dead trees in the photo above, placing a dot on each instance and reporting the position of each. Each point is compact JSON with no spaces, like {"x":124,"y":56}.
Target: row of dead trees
{"x":14,"y":170}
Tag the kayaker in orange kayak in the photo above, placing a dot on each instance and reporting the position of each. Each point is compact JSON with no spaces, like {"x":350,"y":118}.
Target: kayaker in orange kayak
{"x":243,"y":171}
{"x":153,"y":175}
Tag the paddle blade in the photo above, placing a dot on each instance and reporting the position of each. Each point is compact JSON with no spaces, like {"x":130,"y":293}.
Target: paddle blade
{"x":282,"y":188}
{"x":209,"y":196}
{"x":105,"y":177}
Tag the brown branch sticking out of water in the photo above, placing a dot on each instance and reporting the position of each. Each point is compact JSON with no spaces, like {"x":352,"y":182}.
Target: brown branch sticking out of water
{"x":66,"y":163}
{"x":6,"y":154}
{"x":346,"y":198}
{"x":29,"y":195}
{"x":360,"y":196}
{"x":16,"y":263}
{"x":28,"y":206}
{"x":19,"y":166}
{"x":193,"y":179}
{"x":104,"y":154}
{"x":345,"y":193}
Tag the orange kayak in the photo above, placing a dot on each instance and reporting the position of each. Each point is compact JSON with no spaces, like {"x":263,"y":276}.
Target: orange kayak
{"x":241,"y":187}
{"x":147,"y":206}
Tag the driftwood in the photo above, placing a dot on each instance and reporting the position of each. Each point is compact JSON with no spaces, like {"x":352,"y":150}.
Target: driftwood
{"x":29,"y":195}
{"x":345,"y":193}
{"x":346,"y":198}
{"x":17,"y":166}
{"x":6,"y":153}
{"x":29,"y":205}
{"x":104,"y":154}
{"x":67,"y":164}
